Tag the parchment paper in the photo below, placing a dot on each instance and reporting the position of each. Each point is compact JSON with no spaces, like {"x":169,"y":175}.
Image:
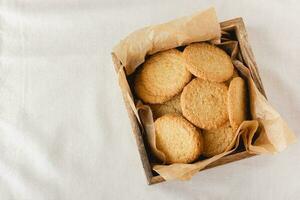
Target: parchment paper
{"x":273,"y":133}
{"x":201,"y":26}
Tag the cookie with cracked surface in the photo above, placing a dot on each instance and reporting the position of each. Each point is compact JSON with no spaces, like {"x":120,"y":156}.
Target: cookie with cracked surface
{"x":204,"y":103}
{"x":237,"y":102}
{"x":208,"y":62}
{"x":162,"y":76}
{"x":178,"y":139}
{"x":218,"y":140}
{"x":171,"y":106}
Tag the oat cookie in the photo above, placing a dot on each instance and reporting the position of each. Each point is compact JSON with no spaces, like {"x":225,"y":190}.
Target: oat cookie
{"x":218,"y":140}
{"x":237,"y":102}
{"x":146,"y":95}
{"x":208,"y":62}
{"x":171,"y":106}
{"x":235,"y":74}
{"x":178,"y":139}
{"x":162,"y":76}
{"x":204,"y":103}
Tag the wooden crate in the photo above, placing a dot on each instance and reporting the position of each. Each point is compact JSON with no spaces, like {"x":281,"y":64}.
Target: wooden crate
{"x":237,"y":30}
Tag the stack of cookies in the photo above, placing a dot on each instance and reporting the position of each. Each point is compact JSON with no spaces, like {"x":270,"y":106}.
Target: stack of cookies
{"x":197,"y":98}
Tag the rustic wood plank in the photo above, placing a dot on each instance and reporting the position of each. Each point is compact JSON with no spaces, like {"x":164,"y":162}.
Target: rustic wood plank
{"x":229,"y":159}
{"x":135,"y":128}
{"x":222,"y":161}
{"x":246,"y":51}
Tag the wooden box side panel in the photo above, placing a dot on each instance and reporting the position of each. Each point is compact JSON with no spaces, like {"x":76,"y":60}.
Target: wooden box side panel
{"x":222,"y":161}
{"x":245,"y":48}
{"x":136,"y":130}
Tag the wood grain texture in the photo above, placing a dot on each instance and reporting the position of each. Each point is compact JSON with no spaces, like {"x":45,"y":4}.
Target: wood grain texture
{"x":222,"y":161}
{"x":246,"y":55}
{"x":246,"y":51}
{"x":136,"y":130}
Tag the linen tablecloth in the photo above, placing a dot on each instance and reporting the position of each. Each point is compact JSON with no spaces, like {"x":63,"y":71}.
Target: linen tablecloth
{"x":64,"y":130}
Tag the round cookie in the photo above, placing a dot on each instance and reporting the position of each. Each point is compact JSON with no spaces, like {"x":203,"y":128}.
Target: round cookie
{"x":171,"y":106}
{"x":208,"y":62}
{"x":147,"y":96}
{"x":178,"y":139}
{"x":204,"y":103}
{"x":237,"y":102}
{"x":162,"y":76}
{"x":235,"y":74}
{"x":218,"y":140}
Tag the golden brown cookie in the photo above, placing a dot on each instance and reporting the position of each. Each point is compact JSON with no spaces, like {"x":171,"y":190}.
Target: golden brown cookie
{"x":178,"y":139}
{"x":237,"y":102}
{"x":208,"y":62}
{"x":147,"y":96}
{"x":218,"y":140}
{"x":204,"y":103}
{"x":162,"y":76}
{"x":235,"y":74}
{"x":171,"y":106}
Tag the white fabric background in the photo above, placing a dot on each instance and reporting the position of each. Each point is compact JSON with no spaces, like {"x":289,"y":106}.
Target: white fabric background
{"x":64,"y":131}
